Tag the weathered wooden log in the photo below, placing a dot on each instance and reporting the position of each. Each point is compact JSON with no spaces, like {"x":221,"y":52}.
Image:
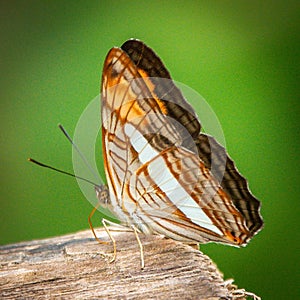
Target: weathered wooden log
{"x":75,"y":266}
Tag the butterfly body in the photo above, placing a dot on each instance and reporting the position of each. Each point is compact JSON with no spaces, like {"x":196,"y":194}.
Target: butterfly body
{"x":163,"y":174}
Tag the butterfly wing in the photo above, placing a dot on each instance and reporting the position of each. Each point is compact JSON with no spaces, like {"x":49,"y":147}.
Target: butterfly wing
{"x":233,"y":183}
{"x":159,"y":167}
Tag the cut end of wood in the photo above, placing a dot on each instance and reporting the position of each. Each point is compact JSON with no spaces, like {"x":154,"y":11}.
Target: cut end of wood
{"x":75,"y":266}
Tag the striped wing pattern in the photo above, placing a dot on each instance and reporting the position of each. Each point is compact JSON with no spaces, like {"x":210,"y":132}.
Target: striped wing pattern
{"x":164,"y":176}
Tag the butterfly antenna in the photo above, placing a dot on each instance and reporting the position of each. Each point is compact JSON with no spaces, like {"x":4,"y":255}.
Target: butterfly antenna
{"x":79,"y":152}
{"x":60,"y":171}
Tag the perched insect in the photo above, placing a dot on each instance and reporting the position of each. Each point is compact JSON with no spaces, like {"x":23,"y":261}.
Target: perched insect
{"x":165,"y":176}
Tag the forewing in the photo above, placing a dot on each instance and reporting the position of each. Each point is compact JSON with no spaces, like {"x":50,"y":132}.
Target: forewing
{"x":130,"y":104}
{"x":162,"y":173}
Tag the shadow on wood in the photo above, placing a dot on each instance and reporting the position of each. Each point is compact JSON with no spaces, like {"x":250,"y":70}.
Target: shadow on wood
{"x":75,"y":267}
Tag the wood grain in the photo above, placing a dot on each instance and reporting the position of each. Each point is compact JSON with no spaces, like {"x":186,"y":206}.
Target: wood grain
{"x":75,"y":266}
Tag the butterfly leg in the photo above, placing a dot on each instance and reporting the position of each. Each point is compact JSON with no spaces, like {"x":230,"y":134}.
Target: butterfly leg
{"x":92,"y":227}
{"x":140,"y":245}
{"x":117,"y":227}
{"x":121,"y":228}
{"x":104,"y":222}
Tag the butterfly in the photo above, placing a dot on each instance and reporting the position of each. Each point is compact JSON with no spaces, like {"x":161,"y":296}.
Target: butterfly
{"x":164,"y":175}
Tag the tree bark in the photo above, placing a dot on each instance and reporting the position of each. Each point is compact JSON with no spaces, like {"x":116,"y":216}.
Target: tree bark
{"x":75,"y":266}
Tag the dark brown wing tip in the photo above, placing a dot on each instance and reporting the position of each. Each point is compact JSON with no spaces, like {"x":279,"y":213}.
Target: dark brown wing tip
{"x":132,"y":44}
{"x":144,"y":57}
{"x":149,"y":62}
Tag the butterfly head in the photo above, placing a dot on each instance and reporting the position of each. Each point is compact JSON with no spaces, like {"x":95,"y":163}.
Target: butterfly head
{"x":102,"y":194}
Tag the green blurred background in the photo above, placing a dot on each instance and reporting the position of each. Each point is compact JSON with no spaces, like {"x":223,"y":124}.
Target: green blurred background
{"x":242,"y":56}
